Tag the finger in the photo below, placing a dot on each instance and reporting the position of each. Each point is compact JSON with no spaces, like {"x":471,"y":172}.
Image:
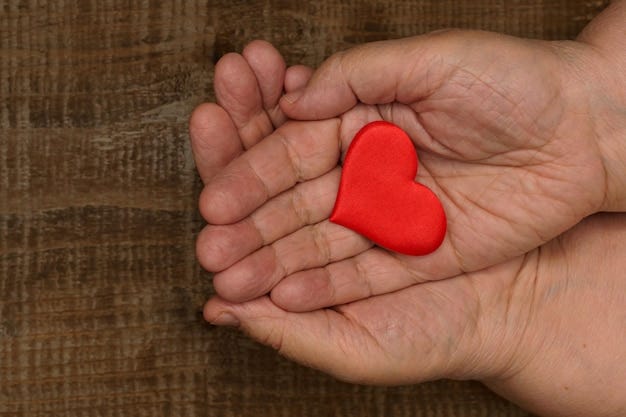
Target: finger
{"x":310,"y":247}
{"x":312,"y":338}
{"x":220,"y":246}
{"x":269,"y":68}
{"x":294,"y":153}
{"x":214,"y":139}
{"x":405,"y":337}
{"x":297,"y":77}
{"x":371,"y":273}
{"x":402,"y":70}
{"x":238,"y":92}
{"x":248,"y":91}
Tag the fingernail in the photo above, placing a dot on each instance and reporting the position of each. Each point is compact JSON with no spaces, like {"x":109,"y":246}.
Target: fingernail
{"x":293,"y":96}
{"x":225,"y":319}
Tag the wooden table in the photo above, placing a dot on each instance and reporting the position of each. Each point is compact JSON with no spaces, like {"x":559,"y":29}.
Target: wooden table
{"x":100,"y":294}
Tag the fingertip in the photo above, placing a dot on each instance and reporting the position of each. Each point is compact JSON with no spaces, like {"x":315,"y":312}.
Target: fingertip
{"x":261,"y":54}
{"x":204,"y":252}
{"x":213,"y":138}
{"x":217,"y":206}
{"x":257,"y":44}
{"x":269,"y":67}
{"x":219,"y":247}
{"x":220,"y":313}
{"x":228,"y":63}
{"x":250,"y":278}
{"x":198,"y":116}
{"x":297,"y":77}
{"x":226,"y":288}
{"x":232,"y":78}
{"x":236,"y":88}
{"x":287,"y":297}
{"x":206,"y":117}
{"x":208,"y":310}
{"x":302,"y":292}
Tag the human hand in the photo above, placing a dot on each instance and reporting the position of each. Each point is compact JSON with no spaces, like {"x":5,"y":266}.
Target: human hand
{"x":524,"y":344}
{"x":545,"y":330}
{"x":514,"y":176}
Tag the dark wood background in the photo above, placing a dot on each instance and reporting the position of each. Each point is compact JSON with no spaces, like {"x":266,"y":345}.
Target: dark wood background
{"x":100,"y":294}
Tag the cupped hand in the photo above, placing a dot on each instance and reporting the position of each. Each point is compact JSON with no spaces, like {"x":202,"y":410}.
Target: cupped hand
{"x":510,"y":325}
{"x":545,"y":330}
{"x":504,"y":139}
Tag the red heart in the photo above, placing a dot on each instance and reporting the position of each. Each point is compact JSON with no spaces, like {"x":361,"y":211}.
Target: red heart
{"x":379,"y":198}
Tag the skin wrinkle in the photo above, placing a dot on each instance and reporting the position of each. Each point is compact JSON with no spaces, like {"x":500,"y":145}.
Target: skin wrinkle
{"x":259,"y":244}
{"x":415,"y":275}
{"x":332,"y":295}
{"x":527,"y":317}
{"x":362,"y":275}
{"x":252,"y":222}
{"x":509,"y":222}
{"x":429,"y":331}
{"x":398,"y":113}
{"x":282,"y":269}
{"x":412,"y":74}
{"x":363,"y":329}
{"x":321,"y":243}
{"x":544,"y":188}
{"x":338,"y":60}
{"x":460,"y":259}
{"x":505,"y":130}
{"x":277,"y":117}
{"x":443,"y":148}
{"x":515,"y":104}
{"x":507,"y":365}
{"x":553,"y":290}
{"x":298,"y":203}
{"x":254,"y":128}
{"x":242,"y":123}
{"x":478,"y":311}
{"x":299,"y":208}
{"x":294,"y":159}
{"x":346,"y":65}
{"x":512,"y":247}
{"x":266,"y":191}
{"x":275,"y":337}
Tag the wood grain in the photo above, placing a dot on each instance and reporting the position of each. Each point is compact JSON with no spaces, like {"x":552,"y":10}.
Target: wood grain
{"x":100,"y":294}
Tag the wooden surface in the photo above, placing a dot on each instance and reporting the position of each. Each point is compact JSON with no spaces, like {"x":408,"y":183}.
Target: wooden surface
{"x":100,"y":294}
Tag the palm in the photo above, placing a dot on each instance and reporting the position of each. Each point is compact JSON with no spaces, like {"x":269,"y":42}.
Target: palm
{"x":501,"y":146}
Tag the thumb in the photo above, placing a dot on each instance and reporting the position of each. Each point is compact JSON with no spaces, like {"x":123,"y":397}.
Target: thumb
{"x":402,"y":70}
{"x":391,"y":339}
{"x":310,"y":338}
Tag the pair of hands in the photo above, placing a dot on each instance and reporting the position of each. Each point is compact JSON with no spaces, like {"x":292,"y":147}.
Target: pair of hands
{"x":519,"y":139}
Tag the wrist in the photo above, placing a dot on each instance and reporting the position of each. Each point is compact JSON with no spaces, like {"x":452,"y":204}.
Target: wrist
{"x":605,"y":45}
{"x":597,"y":87}
{"x":607,"y":104}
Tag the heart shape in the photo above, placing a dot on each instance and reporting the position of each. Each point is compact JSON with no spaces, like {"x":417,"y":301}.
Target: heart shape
{"x":379,"y":198}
